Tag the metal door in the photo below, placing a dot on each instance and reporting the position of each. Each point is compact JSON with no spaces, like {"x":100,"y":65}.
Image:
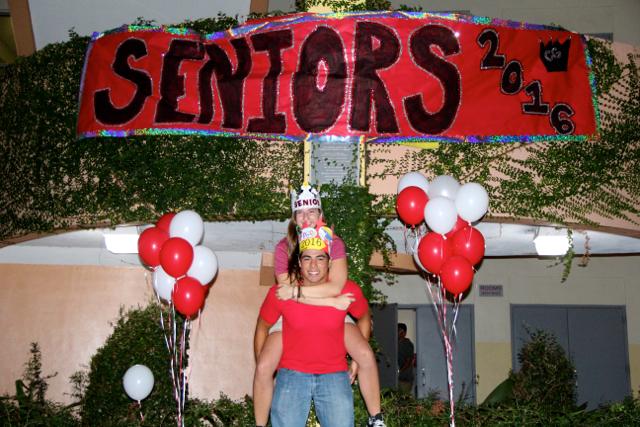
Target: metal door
{"x":385,"y":331}
{"x":598,"y":348}
{"x":526,"y":319}
{"x":593,"y":337}
{"x":431,"y":366}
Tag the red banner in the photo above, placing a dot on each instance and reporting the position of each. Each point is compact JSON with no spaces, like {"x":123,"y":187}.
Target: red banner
{"x":383,"y":76}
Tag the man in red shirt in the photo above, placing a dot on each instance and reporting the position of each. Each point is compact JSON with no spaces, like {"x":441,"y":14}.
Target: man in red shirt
{"x":313,"y":366}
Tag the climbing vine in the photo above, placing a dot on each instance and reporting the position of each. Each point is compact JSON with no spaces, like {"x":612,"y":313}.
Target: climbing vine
{"x":53,"y":181}
{"x":556,"y":182}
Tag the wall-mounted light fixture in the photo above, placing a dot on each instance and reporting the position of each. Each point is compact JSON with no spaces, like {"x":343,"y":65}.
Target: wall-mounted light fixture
{"x":122,"y":240}
{"x":550,"y":241}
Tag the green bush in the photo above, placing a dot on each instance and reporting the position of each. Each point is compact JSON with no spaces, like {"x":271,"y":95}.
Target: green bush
{"x":136,"y":339}
{"x":546,"y":377}
{"x":108,"y":406}
{"x":29,"y":406}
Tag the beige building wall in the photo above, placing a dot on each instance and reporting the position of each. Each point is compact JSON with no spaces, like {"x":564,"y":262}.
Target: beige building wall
{"x":69,"y":311}
{"x":605,"y":281}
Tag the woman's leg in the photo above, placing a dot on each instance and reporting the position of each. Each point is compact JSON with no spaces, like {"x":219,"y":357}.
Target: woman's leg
{"x":263,"y":379}
{"x":368,"y":381}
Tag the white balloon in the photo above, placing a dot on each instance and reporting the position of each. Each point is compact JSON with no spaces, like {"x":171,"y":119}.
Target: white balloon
{"x":163,"y":283}
{"x":204,"y":266}
{"x":413,"y":179}
{"x":472,"y":201}
{"x":188,"y":225}
{"x":416,"y":258}
{"x":443,"y":186}
{"x":138,"y":382}
{"x":440,"y":214}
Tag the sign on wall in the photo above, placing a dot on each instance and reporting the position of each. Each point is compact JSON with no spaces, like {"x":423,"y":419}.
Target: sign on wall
{"x":385,"y":76}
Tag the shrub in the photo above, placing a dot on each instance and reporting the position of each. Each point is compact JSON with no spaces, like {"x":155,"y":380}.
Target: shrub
{"x":29,"y":406}
{"x":136,"y":339}
{"x":546,"y":377}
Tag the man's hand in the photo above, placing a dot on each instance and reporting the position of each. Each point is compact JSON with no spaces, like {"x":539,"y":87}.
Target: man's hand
{"x":353,"y":371}
{"x":285,"y":292}
{"x":343,"y":301}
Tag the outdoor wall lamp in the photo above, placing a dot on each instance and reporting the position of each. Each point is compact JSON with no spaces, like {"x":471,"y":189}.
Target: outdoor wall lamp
{"x":122,"y":239}
{"x":550,"y":241}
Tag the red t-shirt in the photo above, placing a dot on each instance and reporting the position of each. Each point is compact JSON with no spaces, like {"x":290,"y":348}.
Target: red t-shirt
{"x":281,"y":254}
{"x":312,"y":336}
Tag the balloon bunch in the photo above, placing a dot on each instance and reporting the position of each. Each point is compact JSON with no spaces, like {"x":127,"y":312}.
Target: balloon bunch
{"x":182,"y":270}
{"x":452,"y":246}
{"x":447,"y":245}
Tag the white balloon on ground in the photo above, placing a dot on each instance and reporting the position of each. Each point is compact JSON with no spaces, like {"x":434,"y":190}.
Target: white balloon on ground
{"x":163,"y":283}
{"x":187,"y":225}
{"x":138,"y":382}
{"x":204,"y":266}
{"x":443,"y":186}
{"x":440,"y":214}
{"x":472,"y":201}
{"x":413,"y":179}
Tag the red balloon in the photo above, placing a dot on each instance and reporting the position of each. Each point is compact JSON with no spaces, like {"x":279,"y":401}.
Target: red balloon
{"x":188,"y":296}
{"x":459,"y":225}
{"x":410,"y":205}
{"x":469,"y":243}
{"x":150,"y":243}
{"x":433,"y":250}
{"x":165,"y":221}
{"x":456,"y":274}
{"x":176,"y":256}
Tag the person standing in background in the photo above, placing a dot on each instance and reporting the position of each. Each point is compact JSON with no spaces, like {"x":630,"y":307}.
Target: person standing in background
{"x":405,"y":360}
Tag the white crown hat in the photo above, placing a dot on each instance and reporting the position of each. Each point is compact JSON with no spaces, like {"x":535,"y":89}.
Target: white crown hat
{"x":306,"y":198}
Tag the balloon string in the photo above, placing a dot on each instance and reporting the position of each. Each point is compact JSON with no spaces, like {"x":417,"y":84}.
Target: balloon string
{"x":438,"y":300}
{"x":141,"y":414}
{"x":433,"y":301}
{"x":405,"y":238}
{"x":456,"y":310}
{"x":449,"y":351}
{"x":182,"y":379}
{"x":187,"y":327}
{"x":168,"y":342}
{"x":449,"y":355}
{"x":179,"y":380}
{"x":175,"y":368}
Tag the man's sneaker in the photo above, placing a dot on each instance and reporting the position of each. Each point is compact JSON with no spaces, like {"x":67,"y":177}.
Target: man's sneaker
{"x":376,"y":421}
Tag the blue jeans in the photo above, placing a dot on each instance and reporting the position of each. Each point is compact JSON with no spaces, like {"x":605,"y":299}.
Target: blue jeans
{"x":331,"y":394}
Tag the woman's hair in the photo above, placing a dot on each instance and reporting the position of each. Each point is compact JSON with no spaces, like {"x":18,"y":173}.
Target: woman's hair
{"x":293,"y":266}
{"x":293,"y":251}
{"x":292,"y":236}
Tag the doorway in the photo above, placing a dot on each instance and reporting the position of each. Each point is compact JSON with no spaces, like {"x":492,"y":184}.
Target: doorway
{"x":430,"y":363}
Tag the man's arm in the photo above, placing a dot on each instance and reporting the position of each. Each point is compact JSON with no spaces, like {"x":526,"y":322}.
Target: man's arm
{"x":260,"y":336}
{"x":408,"y":361}
{"x":327,"y":294}
{"x":364,"y":324}
{"x":333,"y":286}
